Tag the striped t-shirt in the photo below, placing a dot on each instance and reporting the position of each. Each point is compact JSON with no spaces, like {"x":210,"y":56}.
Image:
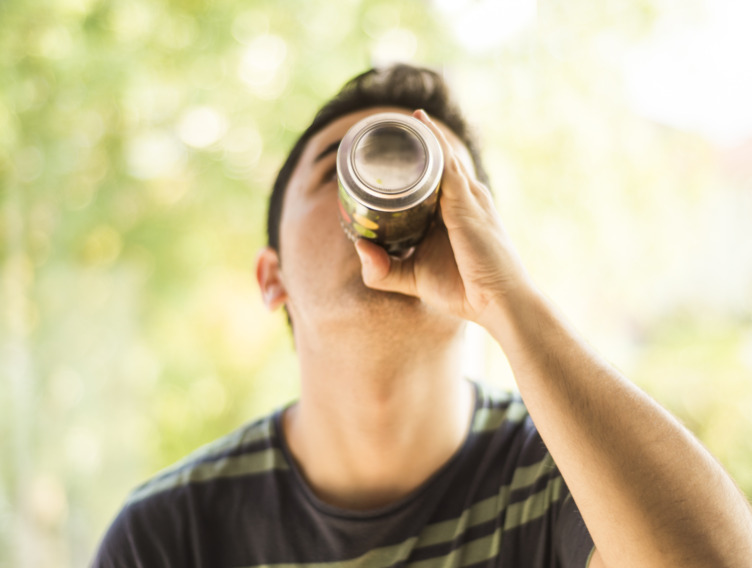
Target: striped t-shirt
{"x":242,"y":502}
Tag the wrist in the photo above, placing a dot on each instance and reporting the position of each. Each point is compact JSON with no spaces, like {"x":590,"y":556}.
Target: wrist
{"x":514,"y":312}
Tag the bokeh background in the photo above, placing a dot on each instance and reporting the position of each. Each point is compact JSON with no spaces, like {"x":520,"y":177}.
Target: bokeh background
{"x":138,"y":143}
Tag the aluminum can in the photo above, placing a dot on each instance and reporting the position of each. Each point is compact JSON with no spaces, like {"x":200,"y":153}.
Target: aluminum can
{"x":389,"y":168}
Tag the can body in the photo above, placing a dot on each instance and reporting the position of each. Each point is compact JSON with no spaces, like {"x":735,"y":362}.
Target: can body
{"x":389,"y":169}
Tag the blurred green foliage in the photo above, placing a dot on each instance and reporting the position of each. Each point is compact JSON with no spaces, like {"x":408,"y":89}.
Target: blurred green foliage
{"x":138,"y":143}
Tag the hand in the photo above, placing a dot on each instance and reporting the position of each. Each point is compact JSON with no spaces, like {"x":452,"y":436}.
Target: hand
{"x":466,"y":262}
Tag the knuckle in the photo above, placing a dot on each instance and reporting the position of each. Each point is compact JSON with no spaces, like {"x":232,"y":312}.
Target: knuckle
{"x":454,"y":165}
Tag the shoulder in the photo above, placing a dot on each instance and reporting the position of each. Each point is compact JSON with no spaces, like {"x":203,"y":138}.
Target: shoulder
{"x":160,"y":515}
{"x":254,"y":448}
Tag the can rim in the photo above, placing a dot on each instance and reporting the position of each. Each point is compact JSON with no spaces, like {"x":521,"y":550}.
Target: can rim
{"x":412,"y":195}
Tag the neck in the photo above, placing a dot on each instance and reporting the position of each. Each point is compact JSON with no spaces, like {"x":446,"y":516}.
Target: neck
{"x":376,"y":419}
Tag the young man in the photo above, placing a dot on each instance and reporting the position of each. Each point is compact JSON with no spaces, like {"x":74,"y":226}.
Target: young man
{"x":391,"y":457}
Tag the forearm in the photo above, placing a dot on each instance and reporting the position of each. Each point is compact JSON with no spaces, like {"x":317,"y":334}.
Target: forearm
{"x":650,"y":494}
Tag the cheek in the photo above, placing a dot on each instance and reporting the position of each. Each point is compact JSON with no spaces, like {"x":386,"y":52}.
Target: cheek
{"x":313,"y":230}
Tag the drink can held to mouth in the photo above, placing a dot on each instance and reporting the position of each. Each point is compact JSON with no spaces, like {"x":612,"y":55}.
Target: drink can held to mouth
{"x":389,"y":168}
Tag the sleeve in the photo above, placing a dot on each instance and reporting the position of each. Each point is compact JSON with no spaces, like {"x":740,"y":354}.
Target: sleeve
{"x":572,"y":540}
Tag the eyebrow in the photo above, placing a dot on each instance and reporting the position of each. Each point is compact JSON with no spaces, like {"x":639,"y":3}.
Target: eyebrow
{"x":328,"y":150}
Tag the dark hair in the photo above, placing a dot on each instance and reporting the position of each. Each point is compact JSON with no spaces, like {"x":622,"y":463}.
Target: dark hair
{"x":399,"y":85}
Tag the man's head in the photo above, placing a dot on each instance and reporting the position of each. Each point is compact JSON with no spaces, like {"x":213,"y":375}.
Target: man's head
{"x":400,"y":85}
{"x":321,"y":285}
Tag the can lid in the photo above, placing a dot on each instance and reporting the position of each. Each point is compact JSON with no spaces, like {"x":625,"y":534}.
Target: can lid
{"x":389,"y":161}
{"x":389,"y":158}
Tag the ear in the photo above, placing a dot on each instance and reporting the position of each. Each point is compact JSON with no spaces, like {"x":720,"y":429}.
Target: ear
{"x":269,"y":278}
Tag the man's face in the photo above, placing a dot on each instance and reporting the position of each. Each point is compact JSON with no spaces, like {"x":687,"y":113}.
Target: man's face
{"x":319,"y":268}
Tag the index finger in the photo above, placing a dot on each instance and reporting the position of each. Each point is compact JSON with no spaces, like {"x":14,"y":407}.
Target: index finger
{"x":459,"y":169}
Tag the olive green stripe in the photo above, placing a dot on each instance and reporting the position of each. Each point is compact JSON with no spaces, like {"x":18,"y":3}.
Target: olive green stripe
{"x":534,"y":506}
{"x":256,"y":462}
{"x":471,"y":552}
{"x":447,"y":531}
{"x":567,"y":499}
{"x":590,"y":558}
{"x":524,"y":476}
{"x":492,"y":395}
{"x":241,"y":437}
{"x":376,"y":558}
{"x":489,"y":419}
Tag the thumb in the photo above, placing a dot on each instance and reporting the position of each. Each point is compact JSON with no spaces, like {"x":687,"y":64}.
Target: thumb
{"x":383,"y":272}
